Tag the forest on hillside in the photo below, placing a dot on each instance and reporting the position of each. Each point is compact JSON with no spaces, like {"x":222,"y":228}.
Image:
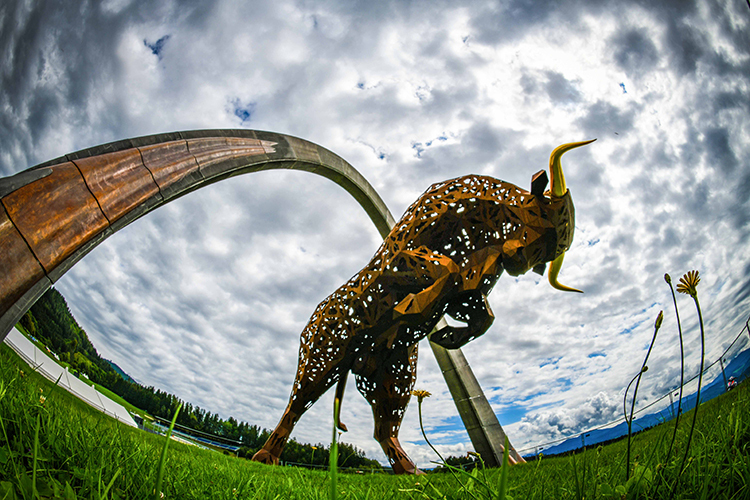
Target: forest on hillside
{"x":51,"y":323}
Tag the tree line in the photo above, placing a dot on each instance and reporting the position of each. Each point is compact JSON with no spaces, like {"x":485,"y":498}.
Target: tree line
{"x":51,"y":323}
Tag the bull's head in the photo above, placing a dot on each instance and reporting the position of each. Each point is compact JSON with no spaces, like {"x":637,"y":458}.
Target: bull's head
{"x":560,"y":196}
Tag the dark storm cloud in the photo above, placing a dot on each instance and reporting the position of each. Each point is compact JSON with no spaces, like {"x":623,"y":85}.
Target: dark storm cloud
{"x":502,"y":22}
{"x":558,"y":89}
{"x":730,"y":100}
{"x":36,"y":55}
{"x":686,"y":46}
{"x":481,"y":148}
{"x":47,"y":77}
{"x":634,"y":51}
{"x":605,"y":118}
{"x":719,"y":152}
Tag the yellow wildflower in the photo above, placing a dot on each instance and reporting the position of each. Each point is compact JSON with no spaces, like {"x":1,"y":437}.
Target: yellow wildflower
{"x":688,"y":283}
{"x":420,"y":394}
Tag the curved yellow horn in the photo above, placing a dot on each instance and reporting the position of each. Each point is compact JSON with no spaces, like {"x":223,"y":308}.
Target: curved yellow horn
{"x":557,"y":179}
{"x":554,"y":270}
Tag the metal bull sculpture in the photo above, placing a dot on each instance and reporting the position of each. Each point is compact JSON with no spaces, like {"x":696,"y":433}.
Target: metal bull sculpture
{"x":443,"y":257}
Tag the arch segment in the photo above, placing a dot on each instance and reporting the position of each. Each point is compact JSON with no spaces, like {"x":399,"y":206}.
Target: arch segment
{"x":53,"y":214}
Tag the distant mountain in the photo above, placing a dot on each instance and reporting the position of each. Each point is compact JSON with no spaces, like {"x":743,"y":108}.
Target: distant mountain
{"x":121,"y":372}
{"x":739,"y":368}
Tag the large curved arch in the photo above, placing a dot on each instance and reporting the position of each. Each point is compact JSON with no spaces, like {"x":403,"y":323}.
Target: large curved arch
{"x":53,"y":214}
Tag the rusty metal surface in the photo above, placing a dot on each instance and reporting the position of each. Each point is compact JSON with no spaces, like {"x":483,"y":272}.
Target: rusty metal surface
{"x":219,"y":155}
{"x":210,"y":151}
{"x":443,"y":257}
{"x":55,"y":214}
{"x":171,"y":165}
{"x":53,"y":208}
{"x":118,"y":181}
{"x":19,"y":269}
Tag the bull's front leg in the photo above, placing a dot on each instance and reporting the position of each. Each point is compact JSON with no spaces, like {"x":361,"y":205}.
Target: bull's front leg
{"x":472,"y":308}
{"x":388,"y":390}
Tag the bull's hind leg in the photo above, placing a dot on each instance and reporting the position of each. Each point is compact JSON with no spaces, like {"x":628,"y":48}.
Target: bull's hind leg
{"x":302,"y":398}
{"x":319,"y":368}
{"x":274,"y":445}
{"x":388,"y":390}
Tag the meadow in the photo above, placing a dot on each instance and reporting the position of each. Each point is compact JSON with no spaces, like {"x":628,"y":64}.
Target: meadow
{"x":54,"y":446}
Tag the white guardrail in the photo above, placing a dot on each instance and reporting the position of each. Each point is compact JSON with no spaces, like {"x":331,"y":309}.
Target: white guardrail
{"x":48,"y":367}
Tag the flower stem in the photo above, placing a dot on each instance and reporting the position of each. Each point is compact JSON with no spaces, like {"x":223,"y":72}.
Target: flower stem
{"x":424,"y":434}
{"x":643,"y":370}
{"x":682,"y":374}
{"x":697,"y":397}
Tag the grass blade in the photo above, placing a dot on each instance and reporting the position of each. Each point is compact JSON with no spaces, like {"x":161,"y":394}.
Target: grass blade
{"x":504,"y":470}
{"x":163,"y":459}
{"x":34,"y":493}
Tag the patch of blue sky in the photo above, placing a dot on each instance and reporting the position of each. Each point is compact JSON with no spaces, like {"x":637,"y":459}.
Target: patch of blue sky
{"x":360,"y":85}
{"x":622,"y":86}
{"x":158,"y":46}
{"x":591,"y":243}
{"x":629,"y":329}
{"x":243,"y":111}
{"x":498,"y":400}
{"x":635,"y":325}
{"x":550,"y":361}
{"x":420,"y":147}
{"x":451,"y":431}
{"x":439,"y":138}
{"x":596,"y":354}
{"x":564,"y":383}
{"x":512,"y":413}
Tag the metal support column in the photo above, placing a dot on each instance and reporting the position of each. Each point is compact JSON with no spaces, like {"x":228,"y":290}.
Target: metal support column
{"x":485,"y":432}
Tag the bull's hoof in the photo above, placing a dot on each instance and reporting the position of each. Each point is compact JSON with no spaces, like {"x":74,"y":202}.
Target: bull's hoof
{"x":397,"y":457}
{"x":405,"y":467}
{"x":265,"y":457}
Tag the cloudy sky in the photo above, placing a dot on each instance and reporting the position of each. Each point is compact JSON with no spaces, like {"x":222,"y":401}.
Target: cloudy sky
{"x":206,"y":297}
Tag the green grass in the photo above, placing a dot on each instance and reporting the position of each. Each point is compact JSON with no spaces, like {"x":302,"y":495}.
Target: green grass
{"x":61,"y":448}
{"x":111,"y":395}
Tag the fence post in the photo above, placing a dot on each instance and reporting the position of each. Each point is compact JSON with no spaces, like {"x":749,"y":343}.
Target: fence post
{"x":671,"y":404}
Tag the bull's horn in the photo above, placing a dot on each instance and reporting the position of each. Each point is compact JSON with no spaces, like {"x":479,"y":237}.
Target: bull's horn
{"x":557,"y":179}
{"x":554,"y":270}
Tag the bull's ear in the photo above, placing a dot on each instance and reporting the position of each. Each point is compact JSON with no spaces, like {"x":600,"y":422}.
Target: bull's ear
{"x":539,"y":183}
